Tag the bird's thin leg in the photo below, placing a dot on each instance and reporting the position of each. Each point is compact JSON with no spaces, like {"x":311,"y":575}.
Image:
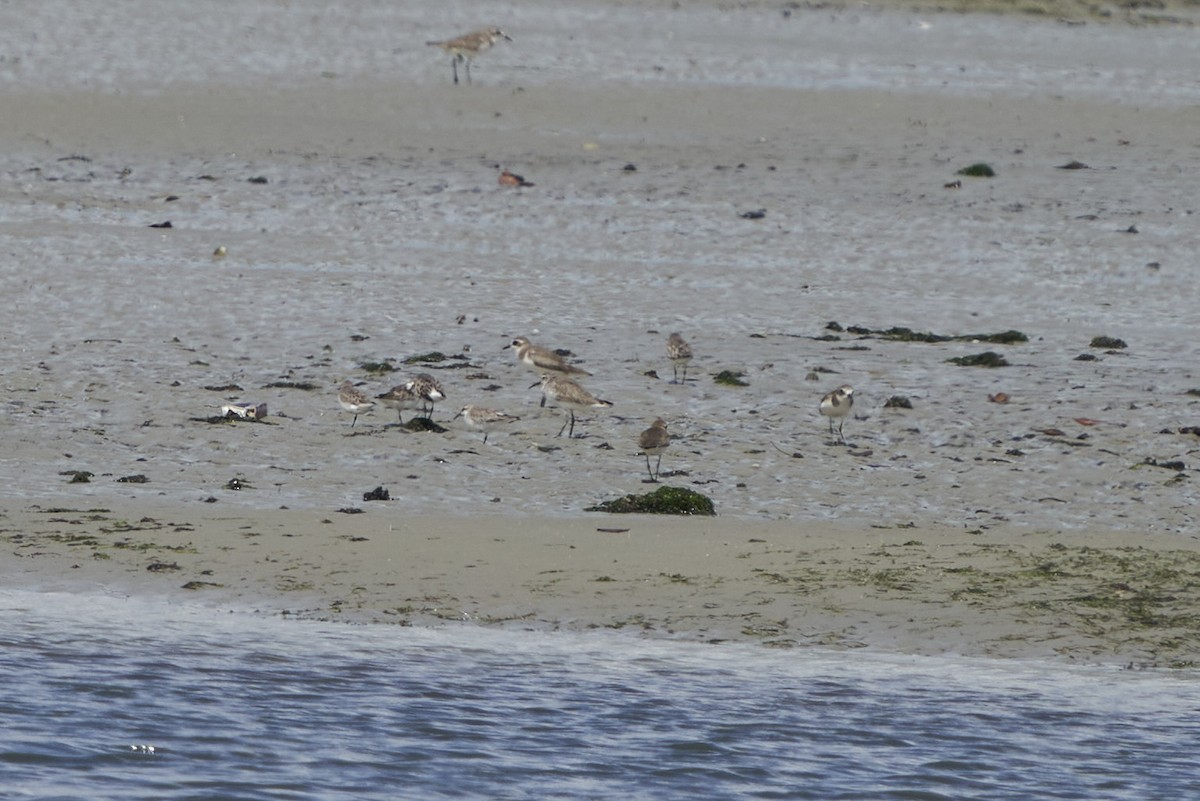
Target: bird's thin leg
{"x":467,"y":62}
{"x":648,"y":471}
{"x":657,"y":467}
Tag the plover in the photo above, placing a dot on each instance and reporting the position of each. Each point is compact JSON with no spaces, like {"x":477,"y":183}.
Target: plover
{"x":680,"y":353}
{"x":567,"y":393}
{"x":426,"y":387}
{"x":485,"y":419}
{"x":401,"y":398}
{"x":654,"y":440}
{"x":838,"y":404}
{"x":543,"y":360}
{"x":512,"y":179}
{"x":466,"y":47}
{"x":353,"y":400}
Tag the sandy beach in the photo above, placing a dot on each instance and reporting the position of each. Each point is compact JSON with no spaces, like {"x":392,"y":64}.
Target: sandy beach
{"x":720,"y":189}
{"x":921,"y":590}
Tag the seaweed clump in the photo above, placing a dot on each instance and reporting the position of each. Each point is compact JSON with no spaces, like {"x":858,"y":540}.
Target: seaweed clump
{"x":1108,"y":343}
{"x":979,"y":170}
{"x":731,"y":378}
{"x":986,"y":359}
{"x":663,"y":501}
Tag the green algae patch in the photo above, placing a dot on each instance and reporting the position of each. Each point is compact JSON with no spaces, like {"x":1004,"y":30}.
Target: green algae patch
{"x":899,"y":333}
{"x":663,"y":501}
{"x":1108,"y":343}
{"x":731,"y":378}
{"x":433,"y":357}
{"x":986,"y":359}
{"x":978,"y":170}
{"x":421,"y":424}
{"x":378,"y":368}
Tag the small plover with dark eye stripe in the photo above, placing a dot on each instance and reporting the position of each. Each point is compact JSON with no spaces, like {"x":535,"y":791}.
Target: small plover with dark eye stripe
{"x":485,"y":419}
{"x":353,"y":400}
{"x":566,"y":392}
{"x":466,"y":47}
{"x":654,"y":440}
{"x":543,"y":360}
{"x":838,"y":404}
{"x":680,"y":353}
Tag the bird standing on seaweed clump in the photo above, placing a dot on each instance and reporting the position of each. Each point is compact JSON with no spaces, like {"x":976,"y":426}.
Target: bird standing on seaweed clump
{"x":426,"y":387}
{"x":401,"y":398}
{"x":466,"y":47}
{"x":653,"y":441}
{"x":838,"y":404}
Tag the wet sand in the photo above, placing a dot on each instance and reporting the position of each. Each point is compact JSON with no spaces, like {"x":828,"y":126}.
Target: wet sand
{"x":920,"y":590}
{"x":1059,"y":524}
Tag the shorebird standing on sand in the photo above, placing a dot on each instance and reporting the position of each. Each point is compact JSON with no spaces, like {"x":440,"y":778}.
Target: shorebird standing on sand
{"x":567,"y":393}
{"x":680,"y":353}
{"x":353,"y":400}
{"x":654,"y":440}
{"x":486,"y":419}
{"x":838,"y":404}
{"x":543,"y":360}
{"x":468,"y":46}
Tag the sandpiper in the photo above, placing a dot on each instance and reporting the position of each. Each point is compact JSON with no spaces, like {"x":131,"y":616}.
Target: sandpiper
{"x":401,"y":398}
{"x":353,"y":400}
{"x":426,"y":387}
{"x":512,"y":179}
{"x":543,"y":360}
{"x":466,"y":47}
{"x":568,"y":393}
{"x":485,"y":419}
{"x":680,"y":353}
{"x":838,"y":404}
{"x":654,"y":440}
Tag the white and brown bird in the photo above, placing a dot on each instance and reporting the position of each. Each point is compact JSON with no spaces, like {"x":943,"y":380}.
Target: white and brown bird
{"x":566,"y":392}
{"x":680,"y":353}
{"x":401,"y":398}
{"x":352,"y":399}
{"x":543,"y":360}
{"x":512,"y":179}
{"x":484,"y":419}
{"x":466,"y":47}
{"x":426,"y":387}
{"x":654,"y":440}
{"x":837,"y":404}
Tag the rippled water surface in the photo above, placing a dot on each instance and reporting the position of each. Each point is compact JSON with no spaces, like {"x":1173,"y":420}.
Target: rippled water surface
{"x":235,"y":705}
{"x":240,"y":706}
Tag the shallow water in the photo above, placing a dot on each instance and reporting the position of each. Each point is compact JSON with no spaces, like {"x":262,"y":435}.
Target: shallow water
{"x":115,"y":329}
{"x":238,"y":705}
